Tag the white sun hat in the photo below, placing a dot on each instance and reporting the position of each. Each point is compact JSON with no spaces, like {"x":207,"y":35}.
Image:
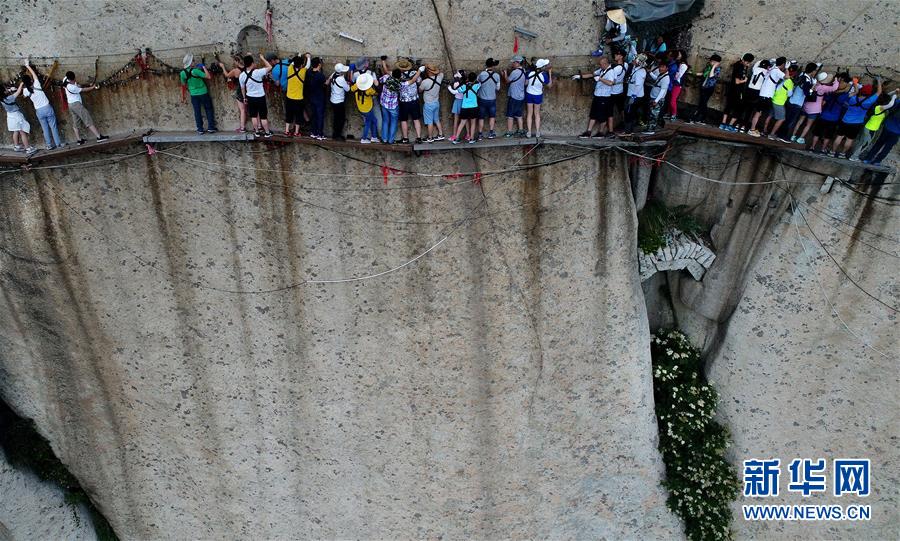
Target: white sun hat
{"x":541,"y":63}
{"x":365,"y":81}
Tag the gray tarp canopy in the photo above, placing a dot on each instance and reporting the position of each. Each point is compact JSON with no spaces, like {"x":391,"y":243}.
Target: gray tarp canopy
{"x":650,"y":10}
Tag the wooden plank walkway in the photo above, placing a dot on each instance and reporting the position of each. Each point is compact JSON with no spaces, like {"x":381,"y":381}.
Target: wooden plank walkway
{"x":707,"y":131}
{"x":9,"y":156}
{"x":662,"y":137}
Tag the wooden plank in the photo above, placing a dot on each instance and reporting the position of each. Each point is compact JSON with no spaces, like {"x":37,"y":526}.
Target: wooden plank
{"x":194,"y":137}
{"x":499,"y":142}
{"x":71,"y":149}
{"x":707,"y":131}
{"x":336,"y":144}
{"x":548,"y":140}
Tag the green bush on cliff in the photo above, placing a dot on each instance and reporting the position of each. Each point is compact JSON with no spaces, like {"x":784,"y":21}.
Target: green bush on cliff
{"x":700,"y":481}
{"x":656,"y":220}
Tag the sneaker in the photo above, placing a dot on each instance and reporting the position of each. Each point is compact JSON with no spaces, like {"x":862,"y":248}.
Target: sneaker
{"x":211,"y":130}
{"x":753,"y":133}
{"x":522,"y":133}
{"x":723,"y":127}
{"x":598,"y":135}
{"x":584,"y":135}
{"x":528,"y":135}
{"x":454,"y":140}
{"x":439,"y":138}
{"x":200,"y":132}
{"x":418,"y":140}
{"x":771,"y":138}
{"x":18,"y":148}
{"x":30,"y":150}
{"x":492,"y":134}
{"x":649,"y":132}
{"x":364,"y":141}
{"x":800,"y":141}
{"x":537,"y":135}
{"x":853,"y":159}
{"x":508,"y":134}
{"x":793,"y":138}
{"x":404,"y":141}
{"x":471,"y":141}
{"x":51,"y":147}
{"x":81,"y":142}
{"x":829,"y":153}
{"x":477,"y":136}
{"x":267,"y":134}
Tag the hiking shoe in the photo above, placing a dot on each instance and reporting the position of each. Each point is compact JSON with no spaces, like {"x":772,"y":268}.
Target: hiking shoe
{"x":51,"y":147}
{"x":440,"y":137}
{"x":528,"y":135}
{"x":30,"y":150}
{"x":429,"y":140}
{"x":82,"y":141}
{"x":537,"y":135}
{"x":212,"y":130}
{"x":404,"y":141}
{"x":267,"y":134}
{"x":492,"y":134}
{"x":18,"y":148}
{"x":584,"y":135}
{"x":454,"y":140}
{"x":508,"y":134}
{"x":199,"y":132}
{"x":801,"y":141}
{"x":598,"y":135}
{"x":473,"y":140}
{"x":853,"y":159}
{"x":364,"y":141}
{"x":418,"y":140}
{"x":753,"y":133}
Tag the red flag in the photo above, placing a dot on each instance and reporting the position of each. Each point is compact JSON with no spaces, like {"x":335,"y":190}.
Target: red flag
{"x":476,"y":179}
{"x":516,"y":45}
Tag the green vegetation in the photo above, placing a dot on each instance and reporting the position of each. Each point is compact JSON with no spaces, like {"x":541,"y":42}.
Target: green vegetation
{"x":700,"y":481}
{"x":656,"y":220}
{"x":26,"y":449}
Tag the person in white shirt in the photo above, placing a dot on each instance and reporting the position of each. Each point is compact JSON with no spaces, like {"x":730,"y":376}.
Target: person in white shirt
{"x":617,"y":96}
{"x":635,"y":104}
{"x":766,"y":91}
{"x":535,"y":81}
{"x":78,"y":110}
{"x":601,"y":104}
{"x":339,"y":87}
{"x":658,"y":90}
{"x":33,"y":89}
{"x":251,"y":82}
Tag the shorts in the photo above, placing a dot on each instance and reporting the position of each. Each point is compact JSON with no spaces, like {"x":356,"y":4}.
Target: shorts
{"x":487,"y":108}
{"x":432,"y":112}
{"x":515,"y":108}
{"x":15,"y":121}
{"x":617,"y":101}
{"x":293,"y":111}
{"x":80,"y":113}
{"x":535,"y":99}
{"x":825,"y":128}
{"x":238,"y":95}
{"x":601,"y":108}
{"x":778,"y":112}
{"x":256,"y":106}
{"x":409,"y":110}
{"x":468,"y":113}
{"x":457,"y":105}
{"x":850,"y":131}
{"x":763,"y":105}
{"x":811,"y":116}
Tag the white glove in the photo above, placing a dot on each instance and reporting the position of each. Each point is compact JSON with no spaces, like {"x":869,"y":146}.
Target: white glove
{"x":421,"y":69}
{"x":576,"y":77}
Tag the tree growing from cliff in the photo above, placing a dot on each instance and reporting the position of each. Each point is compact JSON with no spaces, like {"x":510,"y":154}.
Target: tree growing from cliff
{"x":701,"y":483}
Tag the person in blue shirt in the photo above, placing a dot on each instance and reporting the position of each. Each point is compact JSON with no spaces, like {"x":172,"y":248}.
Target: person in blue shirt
{"x":825,"y":127}
{"x":279,"y":72}
{"x":858,"y":102}
{"x":890,"y":133}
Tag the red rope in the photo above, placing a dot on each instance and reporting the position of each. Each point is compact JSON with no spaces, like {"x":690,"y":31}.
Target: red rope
{"x":269,"y":26}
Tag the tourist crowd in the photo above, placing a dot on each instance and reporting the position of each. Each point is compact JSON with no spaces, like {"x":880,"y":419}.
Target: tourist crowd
{"x":835,"y":114}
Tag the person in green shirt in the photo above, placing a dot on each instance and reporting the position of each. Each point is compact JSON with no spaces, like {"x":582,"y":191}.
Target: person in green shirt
{"x":885,"y":102}
{"x":195,"y":78}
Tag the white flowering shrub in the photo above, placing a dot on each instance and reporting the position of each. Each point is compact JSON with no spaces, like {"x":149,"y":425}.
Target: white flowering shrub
{"x":700,"y":481}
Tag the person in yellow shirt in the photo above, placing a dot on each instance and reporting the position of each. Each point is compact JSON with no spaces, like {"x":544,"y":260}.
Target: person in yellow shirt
{"x":364,"y":92}
{"x":779,"y":99}
{"x":867,"y":135}
{"x":294,"y":113}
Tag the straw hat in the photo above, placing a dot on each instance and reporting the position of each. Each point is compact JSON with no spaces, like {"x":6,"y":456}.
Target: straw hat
{"x":432,"y":68}
{"x":365,"y":81}
{"x":188,"y":60}
{"x":404,"y":64}
{"x":616,"y":15}
{"x":541,"y":63}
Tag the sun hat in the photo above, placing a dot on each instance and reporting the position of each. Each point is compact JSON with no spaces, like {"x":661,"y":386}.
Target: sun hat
{"x":432,"y":67}
{"x":821,"y":76}
{"x":365,"y":81}
{"x":188,"y":60}
{"x":541,"y":63}
{"x":404,"y":64}
{"x":340,"y":68}
{"x":616,"y":15}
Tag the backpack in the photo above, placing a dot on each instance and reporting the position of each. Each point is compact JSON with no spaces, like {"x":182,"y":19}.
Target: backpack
{"x":808,"y":86}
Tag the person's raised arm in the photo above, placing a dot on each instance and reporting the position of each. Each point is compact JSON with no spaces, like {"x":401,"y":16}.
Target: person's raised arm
{"x":308,"y":60}
{"x":31,"y":72}
{"x":18,"y":91}
{"x":268,"y":66}
{"x":549,"y":77}
{"x":206,"y":74}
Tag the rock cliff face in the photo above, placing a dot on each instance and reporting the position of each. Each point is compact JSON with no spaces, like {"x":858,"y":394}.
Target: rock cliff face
{"x":499,"y":385}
